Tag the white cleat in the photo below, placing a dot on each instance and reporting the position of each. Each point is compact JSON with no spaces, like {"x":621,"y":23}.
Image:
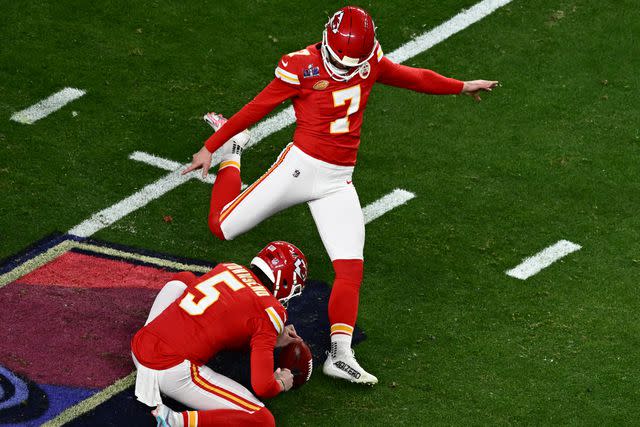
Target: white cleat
{"x":162,"y":414}
{"x":216,"y":121}
{"x":346,"y":367}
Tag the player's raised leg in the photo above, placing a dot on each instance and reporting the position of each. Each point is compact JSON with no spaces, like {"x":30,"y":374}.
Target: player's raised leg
{"x":228,"y":183}
{"x":340,"y":223}
{"x":289,"y":181}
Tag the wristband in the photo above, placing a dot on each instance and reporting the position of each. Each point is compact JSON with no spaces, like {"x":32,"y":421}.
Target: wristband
{"x":284,"y":388}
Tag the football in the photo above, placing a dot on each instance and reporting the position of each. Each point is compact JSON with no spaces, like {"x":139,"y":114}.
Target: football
{"x":297,"y":358}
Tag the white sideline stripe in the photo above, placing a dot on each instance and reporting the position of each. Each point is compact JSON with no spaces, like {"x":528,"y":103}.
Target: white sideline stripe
{"x":124,"y":207}
{"x":281,"y":120}
{"x":156,"y":161}
{"x":543,"y":259}
{"x":445,"y":30}
{"x":47,"y":106}
{"x":170,"y":165}
{"x":384,"y":204}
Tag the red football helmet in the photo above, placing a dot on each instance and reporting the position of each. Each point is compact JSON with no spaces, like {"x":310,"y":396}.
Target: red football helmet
{"x":348,"y":42}
{"x":286,"y":266}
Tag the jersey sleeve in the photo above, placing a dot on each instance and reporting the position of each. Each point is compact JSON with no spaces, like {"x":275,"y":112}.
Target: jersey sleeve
{"x":269,"y":98}
{"x":417,"y":79}
{"x":263,"y":342}
{"x":289,"y":67}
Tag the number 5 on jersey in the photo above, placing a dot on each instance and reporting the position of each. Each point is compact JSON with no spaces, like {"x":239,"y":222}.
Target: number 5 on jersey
{"x":341,"y":97}
{"x":211,"y":294}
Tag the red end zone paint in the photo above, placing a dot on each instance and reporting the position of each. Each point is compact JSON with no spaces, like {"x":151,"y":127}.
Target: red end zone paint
{"x":70,"y":321}
{"x":79,"y":270}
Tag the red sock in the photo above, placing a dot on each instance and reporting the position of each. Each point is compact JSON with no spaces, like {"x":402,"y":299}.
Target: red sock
{"x":228,"y":417}
{"x":343,"y":302}
{"x":225,"y":189}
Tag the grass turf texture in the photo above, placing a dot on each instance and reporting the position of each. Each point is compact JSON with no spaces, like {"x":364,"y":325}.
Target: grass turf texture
{"x":551,"y":154}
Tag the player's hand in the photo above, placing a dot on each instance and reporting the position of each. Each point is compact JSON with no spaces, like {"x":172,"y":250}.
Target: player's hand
{"x":473,"y":87}
{"x":284,"y":378}
{"x":202,"y":159}
{"x":288,"y":336}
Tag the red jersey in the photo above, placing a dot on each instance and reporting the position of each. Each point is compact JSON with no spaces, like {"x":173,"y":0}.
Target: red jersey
{"x":329,"y":112}
{"x":227,"y":308}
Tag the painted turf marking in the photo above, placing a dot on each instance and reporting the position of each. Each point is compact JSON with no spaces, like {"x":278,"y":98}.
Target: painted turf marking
{"x":67,"y":245}
{"x":447,"y":29}
{"x":47,"y":106}
{"x":543,"y":259}
{"x":88,"y":404}
{"x":169,"y":165}
{"x":386,"y":203}
{"x":279,"y":121}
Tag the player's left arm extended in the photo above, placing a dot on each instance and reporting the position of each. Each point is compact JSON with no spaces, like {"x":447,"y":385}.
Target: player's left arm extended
{"x":427,"y":81}
{"x":274,"y":94}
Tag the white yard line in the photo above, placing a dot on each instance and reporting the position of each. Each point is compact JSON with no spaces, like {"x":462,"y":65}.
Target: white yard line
{"x":543,"y":259}
{"x":47,"y":106}
{"x":384,"y":204}
{"x":281,"y":120}
{"x":124,"y":207}
{"x":168,"y":165}
{"x":447,"y":29}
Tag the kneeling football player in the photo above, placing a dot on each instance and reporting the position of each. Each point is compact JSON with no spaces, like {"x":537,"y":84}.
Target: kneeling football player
{"x":193,"y":318}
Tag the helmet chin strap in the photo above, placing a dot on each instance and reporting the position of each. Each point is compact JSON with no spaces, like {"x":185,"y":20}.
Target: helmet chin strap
{"x":337,"y":73}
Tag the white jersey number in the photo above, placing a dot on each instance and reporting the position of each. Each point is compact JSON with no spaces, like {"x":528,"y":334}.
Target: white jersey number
{"x":340,"y":98}
{"x":211,"y":294}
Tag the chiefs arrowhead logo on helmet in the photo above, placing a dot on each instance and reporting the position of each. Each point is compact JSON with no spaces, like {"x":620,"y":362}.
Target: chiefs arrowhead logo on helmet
{"x":335,"y":21}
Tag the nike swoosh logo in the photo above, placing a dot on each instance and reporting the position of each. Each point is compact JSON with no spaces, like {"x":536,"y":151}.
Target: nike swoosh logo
{"x":285,"y":63}
{"x":349,"y":181}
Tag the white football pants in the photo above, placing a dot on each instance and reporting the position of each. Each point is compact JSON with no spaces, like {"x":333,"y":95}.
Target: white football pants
{"x":296,"y":178}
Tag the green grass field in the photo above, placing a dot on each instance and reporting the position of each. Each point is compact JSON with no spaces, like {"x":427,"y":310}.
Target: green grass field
{"x":551,"y":154}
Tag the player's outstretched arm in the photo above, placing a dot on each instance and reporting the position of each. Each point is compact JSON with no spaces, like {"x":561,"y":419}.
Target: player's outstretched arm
{"x":473,"y":87}
{"x":269,"y":98}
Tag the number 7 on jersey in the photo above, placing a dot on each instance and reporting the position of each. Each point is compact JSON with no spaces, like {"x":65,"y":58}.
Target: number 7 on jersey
{"x":341,"y":97}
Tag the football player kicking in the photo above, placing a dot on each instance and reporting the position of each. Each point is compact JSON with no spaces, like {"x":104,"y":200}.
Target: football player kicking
{"x":329,"y":84}
{"x":231,"y":307}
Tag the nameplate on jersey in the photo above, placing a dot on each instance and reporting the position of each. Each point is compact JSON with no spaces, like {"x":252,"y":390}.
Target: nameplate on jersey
{"x":247,"y":278}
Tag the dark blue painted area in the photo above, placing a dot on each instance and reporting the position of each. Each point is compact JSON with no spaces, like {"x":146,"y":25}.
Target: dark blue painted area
{"x":308,"y":314}
{"x":59,"y":398}
{"x":48,"y":242}
{"x":21,"y":400}
{"x":32,"y":251}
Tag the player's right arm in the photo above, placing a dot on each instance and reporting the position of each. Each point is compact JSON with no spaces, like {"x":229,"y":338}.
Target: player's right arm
{"x":275,"y":93}
{"x":263,"y":379}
